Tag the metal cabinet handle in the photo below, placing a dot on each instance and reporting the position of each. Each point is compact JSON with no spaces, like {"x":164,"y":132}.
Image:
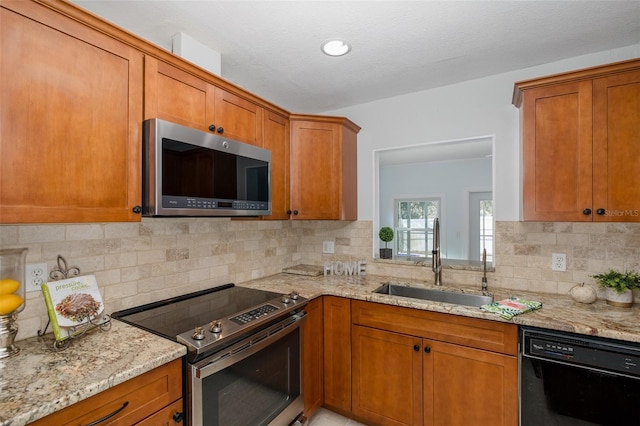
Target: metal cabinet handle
{"x":586,"y":212}
{"x":601,"y":212}
{"x":108,"y":416}
{"x":427,"y":349}
{"x":416,"y":348}
{"x":137,"y":209}
{"x":220,"y":130}
{"x":212,"y":128}
{"x":295,"y":212}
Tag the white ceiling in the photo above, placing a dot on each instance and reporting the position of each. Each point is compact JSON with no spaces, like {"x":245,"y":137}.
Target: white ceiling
{"x":272,"y":48}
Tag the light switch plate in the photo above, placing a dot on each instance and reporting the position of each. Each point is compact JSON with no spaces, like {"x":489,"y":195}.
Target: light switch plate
{"x":328,"y":247}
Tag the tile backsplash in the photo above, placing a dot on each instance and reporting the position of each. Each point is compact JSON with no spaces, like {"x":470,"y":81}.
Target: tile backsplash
{"x":137,"y":263}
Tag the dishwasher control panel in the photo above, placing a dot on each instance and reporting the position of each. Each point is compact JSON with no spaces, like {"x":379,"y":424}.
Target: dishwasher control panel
{"x":582,"y":351}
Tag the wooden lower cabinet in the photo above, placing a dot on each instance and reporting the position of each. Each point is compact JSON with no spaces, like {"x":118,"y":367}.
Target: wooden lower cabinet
{"x":402,"y":379}
{"x":337,"y":354}
{"x":153,"y":398}
{"x":386,"y":377}
{"x":467,"y":386}
{"x":312,"y":358}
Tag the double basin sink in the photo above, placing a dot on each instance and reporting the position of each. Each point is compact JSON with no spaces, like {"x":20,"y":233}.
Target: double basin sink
{"x":435,"y":295}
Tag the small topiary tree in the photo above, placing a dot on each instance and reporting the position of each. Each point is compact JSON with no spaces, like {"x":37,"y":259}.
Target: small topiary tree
{"x":386,"y":235}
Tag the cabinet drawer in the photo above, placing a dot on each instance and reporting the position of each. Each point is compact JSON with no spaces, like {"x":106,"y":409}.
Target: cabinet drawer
{"x":139,"y":398}
{"x":169,"y":416}
{"x":477,"y":333}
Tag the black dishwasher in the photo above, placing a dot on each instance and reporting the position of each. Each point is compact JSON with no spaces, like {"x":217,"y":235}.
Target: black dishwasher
{"x":568,"y":379}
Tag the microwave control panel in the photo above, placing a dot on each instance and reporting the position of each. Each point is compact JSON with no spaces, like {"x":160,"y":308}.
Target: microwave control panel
{"x":173,"y":202}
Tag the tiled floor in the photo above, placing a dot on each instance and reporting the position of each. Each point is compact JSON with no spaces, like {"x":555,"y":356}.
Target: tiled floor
{"x":324,"y":417}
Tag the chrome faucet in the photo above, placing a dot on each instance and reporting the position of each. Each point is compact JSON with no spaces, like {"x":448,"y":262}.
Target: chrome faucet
{"x":485,"y":289}
{"x":436,"y":261}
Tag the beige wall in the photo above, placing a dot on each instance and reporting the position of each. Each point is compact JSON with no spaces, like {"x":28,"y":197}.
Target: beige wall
{"x":137,"y":263}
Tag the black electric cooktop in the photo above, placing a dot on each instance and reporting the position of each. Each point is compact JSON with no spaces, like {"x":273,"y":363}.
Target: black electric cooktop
{"x":171,"y":317}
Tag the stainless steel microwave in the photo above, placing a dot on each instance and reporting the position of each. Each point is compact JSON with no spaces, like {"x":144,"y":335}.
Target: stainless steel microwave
{"x":187,"y":172}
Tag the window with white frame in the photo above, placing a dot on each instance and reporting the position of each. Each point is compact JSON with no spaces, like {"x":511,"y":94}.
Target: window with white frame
{"x":414,"y":226}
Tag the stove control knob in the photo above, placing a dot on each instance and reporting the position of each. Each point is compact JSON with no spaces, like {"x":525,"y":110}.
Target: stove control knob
{"x":294,"y":295}
{"x":198,"y":334}
{"x":285,"y":299}
{"x":215,"y":327}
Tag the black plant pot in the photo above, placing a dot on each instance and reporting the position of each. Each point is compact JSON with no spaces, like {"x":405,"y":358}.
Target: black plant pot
{"x":386,"y":253}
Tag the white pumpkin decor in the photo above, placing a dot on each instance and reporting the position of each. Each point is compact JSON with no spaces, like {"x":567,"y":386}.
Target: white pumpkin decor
{"x":583,"y":293}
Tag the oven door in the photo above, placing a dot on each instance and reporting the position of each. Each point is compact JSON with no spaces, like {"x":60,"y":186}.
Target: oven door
{"x":257,"y":381}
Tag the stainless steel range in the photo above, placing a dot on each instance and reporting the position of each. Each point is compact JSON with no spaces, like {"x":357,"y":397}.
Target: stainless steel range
{"x":244,"y":355}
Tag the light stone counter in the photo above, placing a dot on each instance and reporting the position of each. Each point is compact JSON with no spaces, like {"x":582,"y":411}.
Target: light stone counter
{"x":558,"y":312}
{"x":39,"y":381}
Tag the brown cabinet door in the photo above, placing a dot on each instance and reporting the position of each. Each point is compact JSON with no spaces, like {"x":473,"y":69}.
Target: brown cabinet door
{"x":616,"y":147}
{"x":557,"y":156}
{"x":276,"y":139}
{"x":312,"y":359}
{"x":238,"y":118}
{"x":387,"y":377}
{"x":159,"y":390}
{"x":337,"y":353}
{"x":174,"y":95}
{"x":71,"y":120}
{"x":465,"y":386}
{"x":315,"y":170}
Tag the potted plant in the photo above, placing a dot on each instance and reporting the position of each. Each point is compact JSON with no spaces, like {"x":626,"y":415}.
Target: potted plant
{"x":386,"y":235}
{"x":618,"y":286}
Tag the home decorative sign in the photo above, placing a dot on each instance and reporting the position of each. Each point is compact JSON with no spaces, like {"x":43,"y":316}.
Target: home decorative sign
{"x":345,"y":268}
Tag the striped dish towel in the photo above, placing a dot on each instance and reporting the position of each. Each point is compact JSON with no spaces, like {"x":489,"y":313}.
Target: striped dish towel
{"x":509,"y":308}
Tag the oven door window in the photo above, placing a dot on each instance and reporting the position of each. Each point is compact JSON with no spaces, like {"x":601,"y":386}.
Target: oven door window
{"x":254,"y":390}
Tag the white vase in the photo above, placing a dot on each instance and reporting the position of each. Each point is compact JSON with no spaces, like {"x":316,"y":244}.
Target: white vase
{"x":621,"y":300}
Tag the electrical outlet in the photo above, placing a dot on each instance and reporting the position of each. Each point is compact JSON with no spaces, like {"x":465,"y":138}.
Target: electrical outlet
{"x":328,"y":247}
{"x":35,"y":276}
{"x":558,"y":262}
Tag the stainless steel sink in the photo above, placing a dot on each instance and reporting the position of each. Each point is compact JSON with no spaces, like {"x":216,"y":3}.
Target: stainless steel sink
{"x":467,"y":299}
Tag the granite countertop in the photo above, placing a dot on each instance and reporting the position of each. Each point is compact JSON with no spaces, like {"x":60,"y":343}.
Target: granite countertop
{"x":558,"y":312}
{"x":39,"y":381}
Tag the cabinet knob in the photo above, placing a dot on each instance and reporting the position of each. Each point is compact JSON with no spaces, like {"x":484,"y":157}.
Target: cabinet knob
{"x":601,"y":212}
{"x":586,"y":212}
{"x":212,"y":128}
{"x":289,"y":211}
{"x":427,"y":349}
{"x":220,"y":130}
{"x":177,"y":417}
{"x":295,"y":212}
{"x":416,"y":348}
{"x":137,"y":209}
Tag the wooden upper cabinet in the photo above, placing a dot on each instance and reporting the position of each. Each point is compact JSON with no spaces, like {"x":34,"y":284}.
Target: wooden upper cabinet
{"x":616,"y":146}
{"x":581,"y":144}
{"x":276,"y":139}
{"x":175,"y":95}
{"x":557,"y":141}
{"x":323,"y":168}
{"x":71,"y":120}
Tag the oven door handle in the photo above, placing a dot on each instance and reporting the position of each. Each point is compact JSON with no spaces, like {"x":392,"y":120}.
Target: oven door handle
{"x":250,"y":345}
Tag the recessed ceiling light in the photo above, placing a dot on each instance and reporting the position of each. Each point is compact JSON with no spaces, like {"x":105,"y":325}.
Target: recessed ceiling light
{"x":335,"y":48}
